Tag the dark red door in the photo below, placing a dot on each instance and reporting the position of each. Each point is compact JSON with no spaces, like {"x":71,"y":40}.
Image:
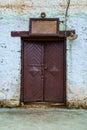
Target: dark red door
{"x":53,"y":77}
{"x":43,"y":73}
{"x":33,"y":85}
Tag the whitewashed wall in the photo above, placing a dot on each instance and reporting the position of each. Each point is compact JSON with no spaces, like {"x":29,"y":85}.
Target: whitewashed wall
{"x":14,"y":16}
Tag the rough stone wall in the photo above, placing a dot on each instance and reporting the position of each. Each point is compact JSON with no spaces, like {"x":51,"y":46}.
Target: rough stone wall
{"x":14,"y":16}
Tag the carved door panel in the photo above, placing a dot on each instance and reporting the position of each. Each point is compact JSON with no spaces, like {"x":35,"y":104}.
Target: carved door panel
{"x":33,"y":84}
{"x":53,"y":83}
{"x":43,"y":72}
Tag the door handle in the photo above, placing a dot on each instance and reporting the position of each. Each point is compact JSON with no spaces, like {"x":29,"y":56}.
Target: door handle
{"x":45,"y":68}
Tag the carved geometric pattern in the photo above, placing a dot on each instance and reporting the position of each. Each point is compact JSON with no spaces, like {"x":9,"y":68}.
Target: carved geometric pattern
{"x":43,"y":71}
{"x":32,"y":72}
{"x":54,"y":74}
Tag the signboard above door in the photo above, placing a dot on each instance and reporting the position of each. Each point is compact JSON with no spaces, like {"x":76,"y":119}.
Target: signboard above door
{"x":44,"y":26}
{"x":44,"y":29}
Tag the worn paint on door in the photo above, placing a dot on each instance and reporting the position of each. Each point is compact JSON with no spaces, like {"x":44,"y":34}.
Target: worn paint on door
{"x":43,"y":71}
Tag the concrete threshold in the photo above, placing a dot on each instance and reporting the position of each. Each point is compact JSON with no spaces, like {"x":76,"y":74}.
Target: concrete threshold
{"x":43,"y":105}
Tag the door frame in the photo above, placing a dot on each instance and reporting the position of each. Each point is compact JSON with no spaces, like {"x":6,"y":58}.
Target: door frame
{"x":27,"y":35}
{"x":63,"y":40}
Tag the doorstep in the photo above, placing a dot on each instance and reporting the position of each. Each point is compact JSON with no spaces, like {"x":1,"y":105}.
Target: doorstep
{"x":42,"y":105}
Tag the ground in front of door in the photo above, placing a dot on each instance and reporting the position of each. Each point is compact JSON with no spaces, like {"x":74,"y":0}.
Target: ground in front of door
{"x":42,"y":119}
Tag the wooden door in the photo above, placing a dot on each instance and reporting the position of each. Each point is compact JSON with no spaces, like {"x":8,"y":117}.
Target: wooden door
{"x":53,"y":82}
{"x":33,"y":84}
{"x":43,"y":72}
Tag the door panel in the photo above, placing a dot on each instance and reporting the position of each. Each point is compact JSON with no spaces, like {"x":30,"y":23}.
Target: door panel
{"x":43,"y":73}
{"x":53,"y":60}
{"x":33,"y":89}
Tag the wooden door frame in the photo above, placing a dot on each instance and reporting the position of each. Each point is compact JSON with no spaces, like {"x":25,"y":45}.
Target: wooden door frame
{"x":63,"y":40}
{"x":26,"y":35}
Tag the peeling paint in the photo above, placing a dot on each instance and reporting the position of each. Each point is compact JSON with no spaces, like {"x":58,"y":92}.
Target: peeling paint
{"x":79,"y":104}
{"x":9,"y":103}
{"x":24,"y":5}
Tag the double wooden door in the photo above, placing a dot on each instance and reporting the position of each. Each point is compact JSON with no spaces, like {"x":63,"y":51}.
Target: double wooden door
{"x":43,"y":72}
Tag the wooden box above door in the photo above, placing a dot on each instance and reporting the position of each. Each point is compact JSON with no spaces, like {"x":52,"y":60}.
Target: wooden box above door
{"x":44,"y":26}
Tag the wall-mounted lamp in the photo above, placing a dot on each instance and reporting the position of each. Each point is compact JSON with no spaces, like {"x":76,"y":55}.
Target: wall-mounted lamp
{"x":72,"y":36}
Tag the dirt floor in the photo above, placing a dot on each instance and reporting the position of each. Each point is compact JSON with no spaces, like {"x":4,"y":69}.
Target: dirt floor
{"x":42,"y":119}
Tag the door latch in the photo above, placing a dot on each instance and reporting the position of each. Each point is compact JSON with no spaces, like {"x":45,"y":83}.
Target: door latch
{"x":45,"y":68}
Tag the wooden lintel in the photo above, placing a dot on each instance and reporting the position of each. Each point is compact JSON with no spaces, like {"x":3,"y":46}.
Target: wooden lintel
{"x":20,"y":33}
{"x":27,"y":34}
{"x":65,"y":33}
